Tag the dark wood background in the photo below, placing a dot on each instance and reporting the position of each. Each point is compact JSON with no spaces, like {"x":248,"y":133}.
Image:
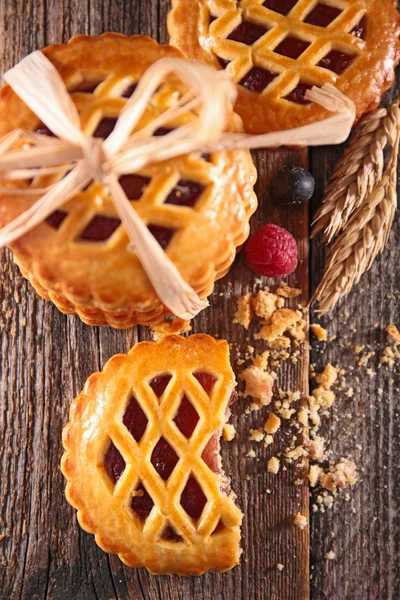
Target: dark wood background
{"x":46,"y":358}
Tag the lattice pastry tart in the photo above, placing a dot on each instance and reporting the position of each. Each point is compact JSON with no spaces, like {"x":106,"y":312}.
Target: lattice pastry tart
{"x":142,"y":457}
{"x":277,"y":49}
{"x":197,"y":206}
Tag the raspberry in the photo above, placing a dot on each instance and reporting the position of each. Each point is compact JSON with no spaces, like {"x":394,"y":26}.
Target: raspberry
{"x":272,"y":251}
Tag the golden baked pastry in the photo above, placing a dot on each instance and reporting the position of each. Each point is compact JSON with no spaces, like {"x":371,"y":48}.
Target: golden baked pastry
{"x":142,"y":457}
{"x":277,"y":49}
{"x":197,"y":206}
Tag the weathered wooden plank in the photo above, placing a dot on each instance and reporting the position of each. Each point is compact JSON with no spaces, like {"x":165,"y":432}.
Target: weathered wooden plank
{"x":365,"y":532}
{"x":46,"y":358}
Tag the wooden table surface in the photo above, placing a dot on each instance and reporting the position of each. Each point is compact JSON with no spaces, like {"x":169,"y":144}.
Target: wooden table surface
{"x":46,"y":357}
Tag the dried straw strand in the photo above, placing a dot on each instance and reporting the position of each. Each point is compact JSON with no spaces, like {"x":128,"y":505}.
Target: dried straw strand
{"x":367,"y":231}
{"x":356,"y":174}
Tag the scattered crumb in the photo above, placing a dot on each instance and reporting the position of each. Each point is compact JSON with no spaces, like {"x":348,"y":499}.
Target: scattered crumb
{"x":176,"y":326}
{"x":287,"y":292}
{"x":393,"y":333}
{"x":244,"y":312}
{"x":279,"y":567}
{"x":273,"y":423}
{"x":228,"y":432}
{"x":251,"y":454}
{"x":314,"y":473}
{"x":328,"y":377}
{"x":256,"y":435}
{"x":300,"y":521}
{"x":259,"y":383}
{"x":330,"y":555}
{"x":273,"y":465}
{"x":281,"y":320}
{"x":341,"y":475}
{"x":316,"y":448}
{"x":319,"y":332}
{"x":265,"y":304}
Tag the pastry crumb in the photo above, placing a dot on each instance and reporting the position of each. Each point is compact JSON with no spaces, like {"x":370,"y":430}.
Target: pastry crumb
{"x":259,"y":383}
{"x":228,"y":432}
{"x":327,"y":377}
{"x":341,"y":475}
{"x":251,"y":454}
{"x":393,"y":333}
{"x":265,"y":304}
{"x":287,"y":292}
{"x":273,"y":423}
{"x":300,"y":521}
{"x":320,"y":333}
{"x":256,"y":435}
{"x":244,"y":312}
{"x":273,"y":465}
{"x":280,"y":567}
{"x":330,"y":555}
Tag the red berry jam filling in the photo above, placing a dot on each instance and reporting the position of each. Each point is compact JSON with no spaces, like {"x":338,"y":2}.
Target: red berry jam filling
{"x":297,"y":95}
{"x":162,"y":131}
{"x":170,"y":535}
{"x":114,"y":463}
{"x":135,"y":419}
{"x":247,"y":33}
{"x":87,"y":87}
{"x":280,"y":6}
{"x":185,"y":193}
{"x":219,"y":527}
{"x":163,"y":235}
{"x":322,"y":15}
{"x":56,"y":219}
{"x":104,"y":128}
{"x":134,"y":185}
{"x":100,"y":229}
{"x":336,"y":61}
{"x":44,"y":130}
{"x":159,"y":384}
{"x":193,"y":498}
{"x":257,"y":79}
{"x":164,"y":458}
{"x":186,"y":418}
{"x":210,"y":453}
{"x":206,"y":380}
{"x":127,"y":93}
{"x":292,"y":47}
{"x":143,"y":503}
{"x":223,"y":62}
{"x":360,"y":29}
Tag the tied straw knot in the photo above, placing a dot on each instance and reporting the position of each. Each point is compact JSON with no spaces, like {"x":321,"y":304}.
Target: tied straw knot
{"x":209,"y":99}
{"x":95,"y":158}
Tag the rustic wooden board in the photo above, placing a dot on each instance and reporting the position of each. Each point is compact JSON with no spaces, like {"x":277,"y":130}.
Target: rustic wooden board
{"x":46,"y":357}
{"x":364,"y":533}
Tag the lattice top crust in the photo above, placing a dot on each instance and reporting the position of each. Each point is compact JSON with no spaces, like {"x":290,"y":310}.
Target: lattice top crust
{"x":197,"y":206}
{"x":277,"y":49}
{"x":141,"y":457}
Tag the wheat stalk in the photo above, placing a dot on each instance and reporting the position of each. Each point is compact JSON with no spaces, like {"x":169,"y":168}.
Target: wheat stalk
{"x":367,"y":231}
{"x":356,"y":174}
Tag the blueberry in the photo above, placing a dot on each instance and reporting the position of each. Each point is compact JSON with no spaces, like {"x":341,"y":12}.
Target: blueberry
{"x":293,"y":185}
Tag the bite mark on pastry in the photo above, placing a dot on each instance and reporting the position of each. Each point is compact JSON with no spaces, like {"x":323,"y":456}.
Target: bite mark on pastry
{"x":146,"y":477}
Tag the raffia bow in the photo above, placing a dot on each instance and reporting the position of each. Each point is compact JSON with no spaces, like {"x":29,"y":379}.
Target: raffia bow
{"x":210,"y":93}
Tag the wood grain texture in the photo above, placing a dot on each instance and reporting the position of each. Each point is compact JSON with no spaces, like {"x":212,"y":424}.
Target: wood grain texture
{"x":364,"y":532}
{"x":46,"y":358}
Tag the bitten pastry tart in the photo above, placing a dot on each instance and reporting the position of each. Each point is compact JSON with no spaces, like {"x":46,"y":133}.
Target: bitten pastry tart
{"x":196,"y":206}
{"x":142,"y":457}
{"x":275,"y":50}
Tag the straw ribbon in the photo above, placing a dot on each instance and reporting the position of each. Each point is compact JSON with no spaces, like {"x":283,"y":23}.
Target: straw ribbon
{"x":210,"y":93}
